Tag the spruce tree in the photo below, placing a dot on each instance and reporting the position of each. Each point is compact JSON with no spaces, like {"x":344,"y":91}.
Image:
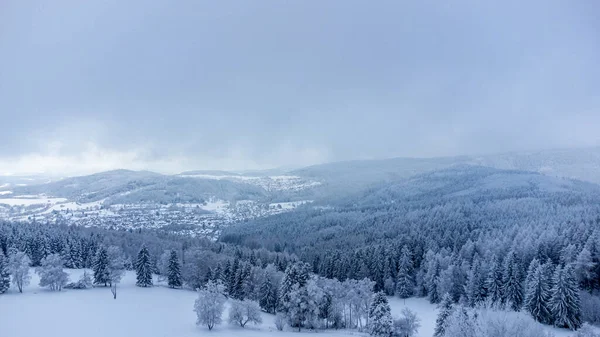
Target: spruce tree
{"x":432,"y":286}
{"x":143,"y":268}
{"x":380,"y":316}
{"x":268,"y":296}
{"x":565,"y":303}
{"x":4,"y":274}
{"x":537,"y":297}
{"x":472,"y":286}
{"x":446,"y":308}
{"x":404,"y":283}
{"x":100,"y":267}
{"x":512,"y":288}
{"x":494,"y":281}
{"x":295,"y":274}
{"x":174,"y":272}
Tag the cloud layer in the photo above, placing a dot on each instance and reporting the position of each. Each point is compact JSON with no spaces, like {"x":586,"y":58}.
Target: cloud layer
{"x":94,"y":85}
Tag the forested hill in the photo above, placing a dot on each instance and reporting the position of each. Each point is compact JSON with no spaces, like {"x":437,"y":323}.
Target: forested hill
{"x":341,"y":177}
{"x":456,"y":214}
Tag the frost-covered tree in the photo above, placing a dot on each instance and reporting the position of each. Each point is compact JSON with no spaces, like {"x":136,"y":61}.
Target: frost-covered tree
{"x":143,"y":268}
{"x":174,"y":272}
{"x":512,"y":284}
{"x":380,"y":316}
{"x":302,"y":306}
{"x":476,"y":286}
{"x":85,"y":281}
{"x":268,"y":295}
{"x":51,"y":272}
{"x":116,"y":268}
{"x":404,"y":282}
{"x":565,"y":302}
{"x":295,"y":274}
{"x":100,"y":267}
{"x":210,"y":304}
{"x":537,"y":293}
{"x":494,"y":281}
{"x":18,"y":266}
{"x":4,"y":273}
{"x":162,"y":265}
{"x":461,"y":323}
{"x":584,"y":267}
{"x":432,"y":283}
{"x":446,"y":309}
{"x":243,"y":312}
{"x":407,"y":325}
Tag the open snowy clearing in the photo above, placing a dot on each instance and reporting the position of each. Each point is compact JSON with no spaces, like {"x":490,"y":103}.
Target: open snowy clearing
{"x":149,"y":312}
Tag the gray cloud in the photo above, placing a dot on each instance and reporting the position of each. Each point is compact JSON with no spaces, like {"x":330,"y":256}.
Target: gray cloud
{"x":192,"y":84}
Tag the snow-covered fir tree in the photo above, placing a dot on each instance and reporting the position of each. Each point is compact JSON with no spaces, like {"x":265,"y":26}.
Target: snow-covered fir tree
{"x":380,"y":316}
{"x":494,"y":281}
{"x":174,"y":272}
{"x":537,"y":294}
{"x":268,"y":295}
{"x":404,"y":282}
{"x":4,"y":274}
{"x":302,"y":305}
{"x":143,"y":268}
{"x":432,"y":280}
{"x":565,"y":302}
{"x":295,"y":274}
{"x":512,"y":288}
{"x":446,"y":309}
{"x":100,"y":267}
{"x":476,"y":286}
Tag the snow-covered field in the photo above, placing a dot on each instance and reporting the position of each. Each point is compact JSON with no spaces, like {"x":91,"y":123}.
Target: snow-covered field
{"x":30,"y":200}
{"x":148,"y":312}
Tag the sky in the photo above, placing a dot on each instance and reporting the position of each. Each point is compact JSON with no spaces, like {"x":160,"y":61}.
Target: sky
{"x":87,"y":86}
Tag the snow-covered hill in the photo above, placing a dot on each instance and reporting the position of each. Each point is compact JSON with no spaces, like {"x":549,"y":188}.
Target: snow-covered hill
{"x":196,"y":205}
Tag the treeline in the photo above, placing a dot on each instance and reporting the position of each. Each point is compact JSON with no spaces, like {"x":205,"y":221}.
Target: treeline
{"x":79,"y":247}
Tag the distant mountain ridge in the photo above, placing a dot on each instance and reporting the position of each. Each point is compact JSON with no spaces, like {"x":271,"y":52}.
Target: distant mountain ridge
{"x":582,"y":164}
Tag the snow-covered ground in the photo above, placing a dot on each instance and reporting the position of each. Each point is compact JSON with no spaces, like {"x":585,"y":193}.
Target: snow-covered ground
{"x":269,"y":183}
{"x":30,"y":200}
{"x":148,"y":312}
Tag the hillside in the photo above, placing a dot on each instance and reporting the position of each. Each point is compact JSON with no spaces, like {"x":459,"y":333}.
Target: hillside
{"x":483,"y":199}
{"x":582,"y":164}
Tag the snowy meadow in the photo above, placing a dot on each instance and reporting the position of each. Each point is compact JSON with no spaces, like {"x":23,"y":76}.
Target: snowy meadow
{"x":156,"y":311}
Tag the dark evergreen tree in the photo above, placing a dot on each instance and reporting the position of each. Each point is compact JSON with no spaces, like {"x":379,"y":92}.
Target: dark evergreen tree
{"x":380,"y":316}
{"x":268,"y":296}
{"x":4,"y":275}
{"x":100,"y":268}
{"x":537,"y":296}
{"x":512,"y":287}
{"x":143,"y":268}
{"x":295,"y":274}
{"x":494,"y":281}
{"x":446,"y":308}
{"x":432,"y":288}
{"x":565,"y":303}
{"x":174,"y":271}
{"x":404,"y":283}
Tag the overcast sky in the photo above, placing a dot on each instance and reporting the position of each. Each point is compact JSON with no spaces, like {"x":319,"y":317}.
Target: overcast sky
{"x":175,"y":85}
